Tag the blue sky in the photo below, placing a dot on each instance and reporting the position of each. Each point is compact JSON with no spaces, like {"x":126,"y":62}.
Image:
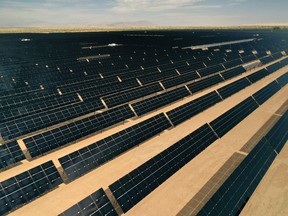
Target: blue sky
{"x":27,"y":13}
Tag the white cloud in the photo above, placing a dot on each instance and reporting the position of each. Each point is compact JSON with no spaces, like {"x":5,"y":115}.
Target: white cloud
{"x":125,"y":6}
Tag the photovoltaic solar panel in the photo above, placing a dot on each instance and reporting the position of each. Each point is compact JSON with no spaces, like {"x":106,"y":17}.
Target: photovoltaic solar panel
{"x":29,"y":108}
{"x":257,"y":75}
{"x":192,"y":108}
{"x":96,"y":204}
{"x":234,"y":87}
{"x":28,"y":185}
{"x":205,"y":83}
{"x":249,"y":58}
{"x":283,"y":80}
{"x":278,"y":135}
{"x":55,"y":138}
{"x":181,"y":79}
{"x":96,"y":92}
{"x":232,"y":196}
{"x":84,"y":160}
{"x":274,"y":67}
{"x":132,"y":94}
{"x":157,"y":77}
{"x":233,"y":72}
{"x":211,"y":70}
{"x":284,"y":62}
{"x":22,"y":126}
{"x":133,"y":187}
{"x":158,"y":101}
{"x":232,"y":117}
{"x":10,"y":153}
{"x":265,"y":93}
{"x":266,"y":59}
{"x":233,"y":63}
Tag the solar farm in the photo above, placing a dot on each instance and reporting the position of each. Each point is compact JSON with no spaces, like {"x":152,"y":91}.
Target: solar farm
{"x":178,"y":122}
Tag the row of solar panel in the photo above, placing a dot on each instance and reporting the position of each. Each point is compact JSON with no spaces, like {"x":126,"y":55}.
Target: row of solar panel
{"x":235,"y":192}
{"x":133,"y":187}
{"x":19,"y":127}
{"x":85,"y":159}
{"x":55,"y":138}
{"x":177,"y":116}
{"x":181,"y":113}
{"x":88,"y":93}
{"x":16,"y":128}
{"x":96,"y":204}
{"x":94,"y":83}
{"x":24,"y":187}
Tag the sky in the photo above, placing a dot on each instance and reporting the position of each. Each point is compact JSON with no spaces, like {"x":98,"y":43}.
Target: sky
{"x":60,"y":13}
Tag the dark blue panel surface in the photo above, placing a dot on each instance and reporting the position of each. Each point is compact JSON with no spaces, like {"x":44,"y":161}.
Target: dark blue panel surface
{"x":233,"y":72}
{"x":234,"y":87}
{"x":190,"y":109}
{"x":133,"y":187}
{"x":55,"y":138}
{"x":265,"y":93}
{"x":10,"y":153}
{"x":96,"y":204}
{"x":158,"y":101}
{"x":28,"y":185}
{"x":278,"y":135}
{"x":84,"y":160}
{"x":232,"y":117}
{"x":205,"y":83}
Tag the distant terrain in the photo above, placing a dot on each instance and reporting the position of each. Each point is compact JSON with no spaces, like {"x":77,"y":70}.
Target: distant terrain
{"x":129,"y":26}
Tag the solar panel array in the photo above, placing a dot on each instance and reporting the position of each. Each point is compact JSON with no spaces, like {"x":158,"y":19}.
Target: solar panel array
{"x":133,"y":187}
{"x":231,"y":118}
{"x":158,"y":101}
{"x":74,"y":88}
{"x":186,"y":111}
{"x":55,"y":138}
{"x":10,"y":154}
{"x":95,"y":204}
{"x":233,"y":195}
{"x":28,"y":185}
{"x":85,"y":159}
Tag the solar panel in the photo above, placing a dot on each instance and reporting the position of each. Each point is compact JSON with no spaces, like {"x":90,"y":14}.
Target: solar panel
{"x":266,"y":59}
{"x":278,"y":135}
{"x":283,"y":80}
{"x":284,"y":61}
{"x":55,"y":138}
{"x":258,"y":75}
{"x":232,"y":196}
{"x":233,"y":87}
{"x":133,"y":187}
{"x":168,"y":83}
{"x":10,"y":154}
{"x":158,"y":101}
{"x":233,"y":63}
{"x":265,"y":93}
{"x":249,"y":58}
{"x":84,"y":160}
{"x":274,"y":67}
{"x":16,"y":128}
{"x":96,"y":203}
{"x":211,"y":70}
{"x":233,"y":72}
{"x":28,"y":108}
{"x":28,"y":185}
{"x":129,"y":95}
{"x":205,"y":83}
{"x":192,"y":108}
{"x":232,"y":117}
{"x":96,"y":92}
{"x":157,"y":76}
